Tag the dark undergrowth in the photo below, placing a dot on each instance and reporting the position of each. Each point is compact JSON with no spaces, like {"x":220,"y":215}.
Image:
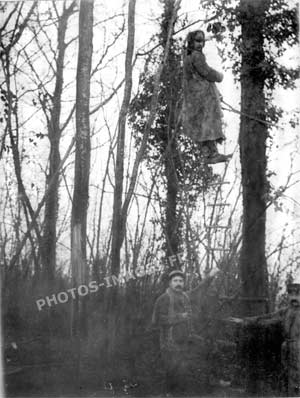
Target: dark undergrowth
{"x":42,"y":360}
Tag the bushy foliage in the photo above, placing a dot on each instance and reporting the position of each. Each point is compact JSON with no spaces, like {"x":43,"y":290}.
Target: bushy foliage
{"x":167,"y":124}
{"x":280,"y":32}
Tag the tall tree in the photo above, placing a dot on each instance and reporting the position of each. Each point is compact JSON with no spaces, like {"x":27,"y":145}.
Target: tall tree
{"x":82,"y":162}
{"x":54,"y":135}
{"x":156,"y":83}
{"x":181,"y":175}
{"x":265,"y":29}
{"x":119,"y":173}
{"x":257,"y":78}
{"x":260,"y":31}
{"x":172,"y":83}
{"x":117,"y":223}
{"x":252,"y":140}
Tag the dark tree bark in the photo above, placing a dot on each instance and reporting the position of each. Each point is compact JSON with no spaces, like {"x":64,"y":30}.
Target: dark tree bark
{"x":82,"y":162}
{"x":54,"y":135}
{"x":253,"y":135}
{"x":151,"y":118}
{"x":113,"y":308}
{"x":172,"y":221}
{"x":117,"y":224}
{"x":171,"y":114}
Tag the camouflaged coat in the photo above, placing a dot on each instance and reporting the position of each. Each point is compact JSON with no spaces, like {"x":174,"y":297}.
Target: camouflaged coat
{"x":202,"y":114}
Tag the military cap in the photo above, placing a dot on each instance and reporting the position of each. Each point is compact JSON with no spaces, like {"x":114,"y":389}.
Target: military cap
{"x":176,"y":272}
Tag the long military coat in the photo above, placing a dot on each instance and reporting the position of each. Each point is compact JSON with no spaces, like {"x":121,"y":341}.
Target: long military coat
{"x":167,"y":314}
{"x":289,"y":318}
{"x":201,"y":113}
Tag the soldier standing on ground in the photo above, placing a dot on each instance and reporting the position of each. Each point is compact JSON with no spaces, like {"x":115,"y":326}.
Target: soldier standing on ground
{"x":289,"y":318}
{"x":173,"y":315}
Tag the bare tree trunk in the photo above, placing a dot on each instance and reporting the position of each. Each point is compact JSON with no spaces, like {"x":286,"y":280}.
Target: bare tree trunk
{"x":113,"y":308}
{"x":54,"y":134}
{"x":82,"y":163}
{"x":153,"y":106}
{"x":38,"y":210}
{"x":119,"y":174}
{"x":253,"y":135}
{"x":170,"y":79}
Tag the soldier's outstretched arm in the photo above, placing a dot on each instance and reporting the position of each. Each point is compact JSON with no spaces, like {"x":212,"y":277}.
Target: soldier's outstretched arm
{"x":270,"y":318}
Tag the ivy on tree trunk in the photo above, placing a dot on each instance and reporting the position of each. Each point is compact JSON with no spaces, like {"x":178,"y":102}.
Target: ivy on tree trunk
{"x":252,"y":140}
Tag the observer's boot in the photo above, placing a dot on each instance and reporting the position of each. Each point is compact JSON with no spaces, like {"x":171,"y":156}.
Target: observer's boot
{"x":211,"y":154}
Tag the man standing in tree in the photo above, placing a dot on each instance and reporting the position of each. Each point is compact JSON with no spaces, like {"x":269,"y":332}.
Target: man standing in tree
{"x":173,"y":315}
{"x":202,"y":114}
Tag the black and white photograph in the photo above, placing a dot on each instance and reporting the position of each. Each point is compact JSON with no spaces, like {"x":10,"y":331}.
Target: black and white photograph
{"x":149,"y":198}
